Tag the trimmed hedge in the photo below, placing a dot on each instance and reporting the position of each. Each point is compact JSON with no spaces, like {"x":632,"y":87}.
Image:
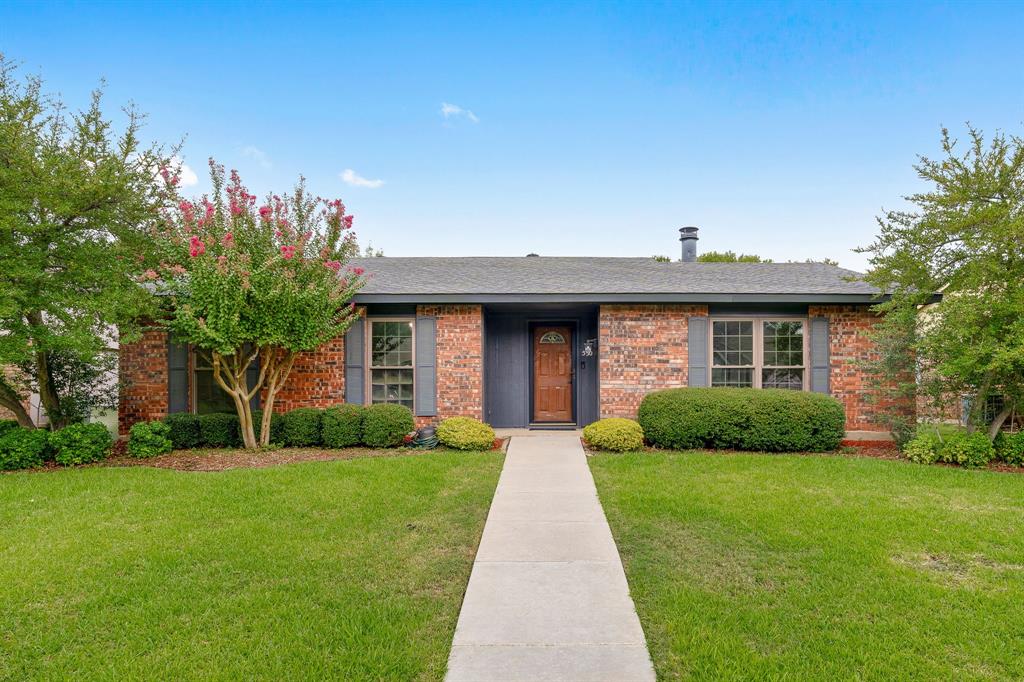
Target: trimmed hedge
{"x":23,"y":448}
{"x":385,"y":425}
{"x":276,"y":426}
{"x":185,"y":432}
{"x":615,"y":434}
{"x":149,"y":439}
{"x":765,"y":420}
{"x":81,"y":444}
{"x":465,"y":433}
{"x":219,"y":430}
{"x":343,"y":425}
{"x":302,"y":427}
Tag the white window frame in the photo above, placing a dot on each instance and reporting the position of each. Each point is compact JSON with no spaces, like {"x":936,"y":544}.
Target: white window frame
{"x":368,"y":358}
{"x":758,"y":322}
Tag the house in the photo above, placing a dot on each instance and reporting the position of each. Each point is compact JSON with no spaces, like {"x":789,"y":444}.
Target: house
{"x":553,"y":342}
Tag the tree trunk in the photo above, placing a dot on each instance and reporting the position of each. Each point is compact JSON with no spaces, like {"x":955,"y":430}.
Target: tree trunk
{"x":979,"y":403}
{"x":275,"y":365}
{"x":10,"y":399}
{"x":1000,"y":419}
{"x":229,"y":373}
{"x":44,"y":379}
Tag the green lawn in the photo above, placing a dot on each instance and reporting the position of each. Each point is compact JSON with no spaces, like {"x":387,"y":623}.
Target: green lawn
{"x":342,"y":570}
{"x":818,"y":567}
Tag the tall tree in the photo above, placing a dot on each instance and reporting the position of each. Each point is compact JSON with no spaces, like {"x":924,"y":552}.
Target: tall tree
{"x":963,"y":237}
{"x":246,"y":284}
{"x":730,"y":257}
{"x":78,"y":202}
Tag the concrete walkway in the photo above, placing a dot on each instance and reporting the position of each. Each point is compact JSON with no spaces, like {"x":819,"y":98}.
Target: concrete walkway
{"x":547,"y":599}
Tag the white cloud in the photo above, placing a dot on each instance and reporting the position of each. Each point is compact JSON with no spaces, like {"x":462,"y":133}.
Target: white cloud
{"x":187,"y":176}
{"x":350,"y":177}
{"x":449,"y":111}
{"x":257,"y":155}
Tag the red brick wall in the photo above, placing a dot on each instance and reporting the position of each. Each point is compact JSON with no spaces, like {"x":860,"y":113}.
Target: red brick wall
{"x":460,"y":360}
{"x":848,"y":328}
{"x":143,"y":374}
{"x":642,"y":348}
{"x":317,"y":379}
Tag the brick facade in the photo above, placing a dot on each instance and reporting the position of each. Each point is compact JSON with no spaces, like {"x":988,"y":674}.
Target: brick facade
{"x":642,"y":348}
{"x":460,"y":360}
{"x":143,"y":372}
{"x":317,"y":379}
{"x":849,"y":345}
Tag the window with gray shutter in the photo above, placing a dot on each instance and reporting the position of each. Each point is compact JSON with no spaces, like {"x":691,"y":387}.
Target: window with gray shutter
{"x":820,"y":363}
{"x":355,"y":363}
{"x":177,"y":376}
{"x":426,"y":366}
{"x":697,"y":351}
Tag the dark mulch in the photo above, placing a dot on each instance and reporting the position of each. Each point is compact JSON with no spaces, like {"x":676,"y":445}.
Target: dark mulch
{"x":219,"y":460}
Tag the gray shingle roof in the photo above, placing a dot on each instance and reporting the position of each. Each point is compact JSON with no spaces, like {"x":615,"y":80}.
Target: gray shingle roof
{"x":607,"y":277}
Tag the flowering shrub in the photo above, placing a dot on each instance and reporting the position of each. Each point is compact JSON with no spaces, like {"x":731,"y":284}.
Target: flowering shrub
{"x":256,"y":282}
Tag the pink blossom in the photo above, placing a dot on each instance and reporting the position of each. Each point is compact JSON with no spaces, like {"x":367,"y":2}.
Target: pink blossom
{"x":228,"y":240}
{"x":333,"y":265}
{"x":265,"y":213}
{"x":287,"y":252}
{"x":198,"y":248}
{"x":358,"y":271}
{"x":236,"y":209}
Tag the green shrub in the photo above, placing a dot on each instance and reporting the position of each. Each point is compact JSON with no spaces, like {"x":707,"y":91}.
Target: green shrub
{"x":219,"y":430}
{"x":773,"y":420}
{"x":185,"y":432}
{"x":81,"y":444}
{"x":23,"y":448}
{"x":276,"y":426}
{"x":8,"y":425}
{"x":149,"y":439}
{"x":969,"y":450}
{"x":343,"y":425}
{"x":303,"y":427}
{"x":1010,"y":448}
{"x":385,"y":425}
{"x":923,"y":449}
{"x":465,"y":433}
{"x":615,"y":433}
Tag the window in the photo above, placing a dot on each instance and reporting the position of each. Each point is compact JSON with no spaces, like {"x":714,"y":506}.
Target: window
{"x":758,"y":353}
{"x":208,"y":395}
{"x":552,"y":337}
{"x":391,"y":362}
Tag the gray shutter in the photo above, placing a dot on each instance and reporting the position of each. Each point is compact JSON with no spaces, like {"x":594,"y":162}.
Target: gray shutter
{"x":697,"y":351}
{"x":252,"y":375}
{"x":426,"y":366}
{"x":819,"y":355}
{"x":177,"y":376}
{"x":355,"y":360}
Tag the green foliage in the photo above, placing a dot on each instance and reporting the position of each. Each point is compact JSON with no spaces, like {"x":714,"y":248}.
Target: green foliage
{"x":465,"y":433}
{"x":276,"y":425}
{"x":963,"y":238}
{"x":80,"y":202}
{"x":149,"y":439}
{"x":385,"y":425}
{"x":1010,"y":448}
{"x":7,"y":425}
{"x":302,"y":427}
{"x":81,"y":444}
{"x":184,"y":430}
{"x":22,"y":448}
{"x":967,"y":449}
{"x":922,"y":449}
{"x":219,"y":430}
{"x":730,"y":257}
{"x":615,"y":433}
{"x":343,"y":425}
{"x":774,"y":420}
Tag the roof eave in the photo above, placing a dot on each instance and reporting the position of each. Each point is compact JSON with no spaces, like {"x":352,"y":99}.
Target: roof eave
{"x":863,"y":299}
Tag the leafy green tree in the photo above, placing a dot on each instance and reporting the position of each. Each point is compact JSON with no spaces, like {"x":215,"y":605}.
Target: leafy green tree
{"x":963,"y":237}
{"x":243,"y":283}
{"x":78,"y":202}
{"x":730,"y":257}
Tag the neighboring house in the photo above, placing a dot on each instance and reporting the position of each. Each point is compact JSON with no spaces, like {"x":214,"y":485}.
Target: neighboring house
{"x":552,"y":342}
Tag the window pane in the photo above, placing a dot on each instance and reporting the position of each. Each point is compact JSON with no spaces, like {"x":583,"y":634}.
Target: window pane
{"x":732,"y":342}
{"x":391,"y":344}
{"x":783,"y":378}
{"x":392,"y":386}
{"x":784,"y":343}
{"x":210,"y":397}
{"x":743,"y":378}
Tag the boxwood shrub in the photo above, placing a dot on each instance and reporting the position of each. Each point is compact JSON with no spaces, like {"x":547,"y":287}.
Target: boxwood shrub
{"x":771,"y":420}
{"x":615,"y":434}
{"x":184,"y":430}
{"x":149,"y":439}
{"x":219,"y":430}
{"x":23,"y":448}
{"x":342,"y":425}
{"x":465,"y":433}
{"x":81,"y":444}
{"x":276,"y":426}
{"x":385,"y":425}
{"x":303,"y":427}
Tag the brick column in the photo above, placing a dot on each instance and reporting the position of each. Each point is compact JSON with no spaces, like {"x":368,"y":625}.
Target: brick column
{"x":142,"y":369}
{"x":460,"y":360}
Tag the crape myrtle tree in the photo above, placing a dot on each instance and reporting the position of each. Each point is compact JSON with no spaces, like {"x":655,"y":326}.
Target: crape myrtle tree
{"x":78,"y":201}
{"x":964,"y":237}
{"x":244,"y":283}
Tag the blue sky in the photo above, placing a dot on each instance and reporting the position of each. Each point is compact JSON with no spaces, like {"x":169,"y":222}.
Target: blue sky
{"x":573,"y":129}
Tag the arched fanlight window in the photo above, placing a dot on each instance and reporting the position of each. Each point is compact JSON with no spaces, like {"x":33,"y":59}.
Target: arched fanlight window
{"x":552,"y":337}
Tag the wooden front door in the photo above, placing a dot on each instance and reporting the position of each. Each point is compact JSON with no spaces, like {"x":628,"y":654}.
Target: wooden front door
{"x":552,"y":374}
